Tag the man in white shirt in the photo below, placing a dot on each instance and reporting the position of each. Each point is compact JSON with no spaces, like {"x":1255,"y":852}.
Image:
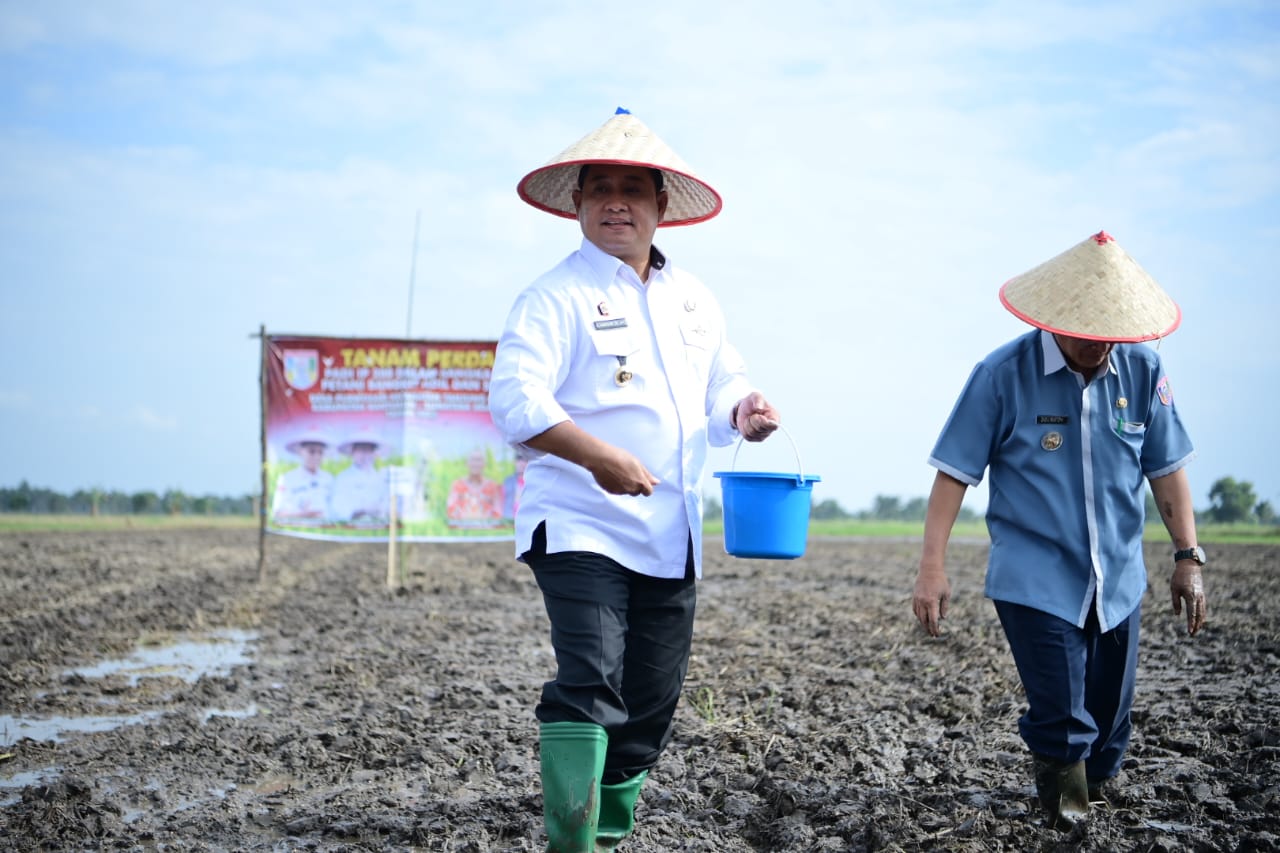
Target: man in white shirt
{"x":614,"y":373}
{"x":302,"y":493}
{"x":360,"y":491}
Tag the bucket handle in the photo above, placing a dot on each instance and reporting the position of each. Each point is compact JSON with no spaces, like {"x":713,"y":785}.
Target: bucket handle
{"x":799,"y":466}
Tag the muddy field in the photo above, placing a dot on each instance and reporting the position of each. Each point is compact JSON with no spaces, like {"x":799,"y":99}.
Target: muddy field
{"x":816,"y":716}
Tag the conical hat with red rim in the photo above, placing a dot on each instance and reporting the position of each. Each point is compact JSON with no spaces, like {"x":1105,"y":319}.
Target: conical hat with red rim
{"x":625,"y":140}
{"x":1095,"y":291}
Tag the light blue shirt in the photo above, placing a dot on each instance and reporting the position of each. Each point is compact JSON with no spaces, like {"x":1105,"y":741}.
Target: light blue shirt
{"x":565,"y":341}
{"x":1068,"y":463}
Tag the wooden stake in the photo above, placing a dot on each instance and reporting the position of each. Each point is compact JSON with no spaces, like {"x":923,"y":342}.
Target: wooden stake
{"x":260,"y":505}
{"x":392,"y":580}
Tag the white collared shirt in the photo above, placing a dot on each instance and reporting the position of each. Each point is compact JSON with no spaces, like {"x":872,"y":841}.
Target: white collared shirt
{"x":558,"y":359}
{"x":300,"y":492}
{"x":360,"y":492}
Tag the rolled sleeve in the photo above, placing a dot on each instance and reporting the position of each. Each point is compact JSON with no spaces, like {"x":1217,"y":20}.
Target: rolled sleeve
{"x":527,"y":370}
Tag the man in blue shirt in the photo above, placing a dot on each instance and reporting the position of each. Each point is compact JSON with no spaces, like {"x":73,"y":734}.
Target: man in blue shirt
{"x":1071,"y":419}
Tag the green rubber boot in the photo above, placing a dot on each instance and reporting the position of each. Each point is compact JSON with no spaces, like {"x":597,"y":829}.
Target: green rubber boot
{"x":1063,"y":790}
{"x":572,"y":763}
{"x":618,"y":811}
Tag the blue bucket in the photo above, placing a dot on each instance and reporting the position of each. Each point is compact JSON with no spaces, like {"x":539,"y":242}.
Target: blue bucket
{"x":766,"y":514}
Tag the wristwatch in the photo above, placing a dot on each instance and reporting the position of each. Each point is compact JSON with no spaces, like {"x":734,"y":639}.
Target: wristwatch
{"x":1194,"y":553}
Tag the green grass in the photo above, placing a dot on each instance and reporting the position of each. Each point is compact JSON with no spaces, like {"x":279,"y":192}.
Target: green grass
{"x":31,"y":522}
{"x":1223,"y":534}
{"x":873,"y":529}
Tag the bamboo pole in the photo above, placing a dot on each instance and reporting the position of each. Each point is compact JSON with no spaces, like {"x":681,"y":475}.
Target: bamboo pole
{"x":261,"y":503}
{"x":413,"y":271}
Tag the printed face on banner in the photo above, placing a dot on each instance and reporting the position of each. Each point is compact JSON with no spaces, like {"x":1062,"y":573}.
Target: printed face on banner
{"x":406,"y":437}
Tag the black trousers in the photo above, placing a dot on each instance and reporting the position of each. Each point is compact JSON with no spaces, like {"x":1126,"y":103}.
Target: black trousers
{"x":622,"y":642}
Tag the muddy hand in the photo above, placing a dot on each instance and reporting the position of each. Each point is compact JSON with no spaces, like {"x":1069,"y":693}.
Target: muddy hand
{"x":929,"y":601}
{"x":1187,"y":587}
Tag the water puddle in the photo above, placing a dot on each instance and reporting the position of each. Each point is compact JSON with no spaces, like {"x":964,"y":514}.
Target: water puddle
{"x":189,"y":659}
{"x":213,"y":654}
{"x":11,"y":786}
{"x":14,"y":729}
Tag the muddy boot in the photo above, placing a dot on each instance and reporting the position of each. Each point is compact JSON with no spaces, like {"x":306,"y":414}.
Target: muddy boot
{"x":572,"y":762}
{"x":1063,"y":790}
{"x":618,"y":811}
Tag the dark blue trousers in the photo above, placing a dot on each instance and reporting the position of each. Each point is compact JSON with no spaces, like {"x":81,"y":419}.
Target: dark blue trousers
{"x":622,"y":642}
{"x":1079,"y":684}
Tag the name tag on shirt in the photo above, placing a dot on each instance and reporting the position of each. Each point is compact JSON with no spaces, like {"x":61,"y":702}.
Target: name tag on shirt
{"x":616,"y":323}
{"x":1052,"y":419}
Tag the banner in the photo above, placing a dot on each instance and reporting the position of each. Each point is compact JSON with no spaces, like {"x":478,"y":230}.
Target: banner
{"x":357,"y":429}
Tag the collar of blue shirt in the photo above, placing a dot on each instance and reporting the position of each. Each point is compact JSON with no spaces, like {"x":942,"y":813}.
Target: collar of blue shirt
{"x":1055,"y":361}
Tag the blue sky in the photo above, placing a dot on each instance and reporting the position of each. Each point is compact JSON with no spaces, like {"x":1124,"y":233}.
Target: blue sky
{"x":172,"y":177}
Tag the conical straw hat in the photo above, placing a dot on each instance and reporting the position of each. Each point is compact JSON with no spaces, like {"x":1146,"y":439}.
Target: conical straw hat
{"x":309,"y":436}
{"x":364,"y":435}
{"x":622,"y":139}
{"x":1093,"y":291}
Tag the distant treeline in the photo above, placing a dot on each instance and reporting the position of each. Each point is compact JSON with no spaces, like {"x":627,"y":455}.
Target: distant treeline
{"x":27,"y":498}
{"x":886,"y":508}
{"x":1231,"y":501}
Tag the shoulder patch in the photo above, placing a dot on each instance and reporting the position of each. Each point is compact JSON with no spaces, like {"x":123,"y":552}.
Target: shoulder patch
{"x":1164,"y":391}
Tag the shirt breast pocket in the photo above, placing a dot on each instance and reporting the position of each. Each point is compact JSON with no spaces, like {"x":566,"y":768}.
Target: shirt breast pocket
{"x":1132,"y":434}
{"x":699,"y":344}
{"x":613,"y":366}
